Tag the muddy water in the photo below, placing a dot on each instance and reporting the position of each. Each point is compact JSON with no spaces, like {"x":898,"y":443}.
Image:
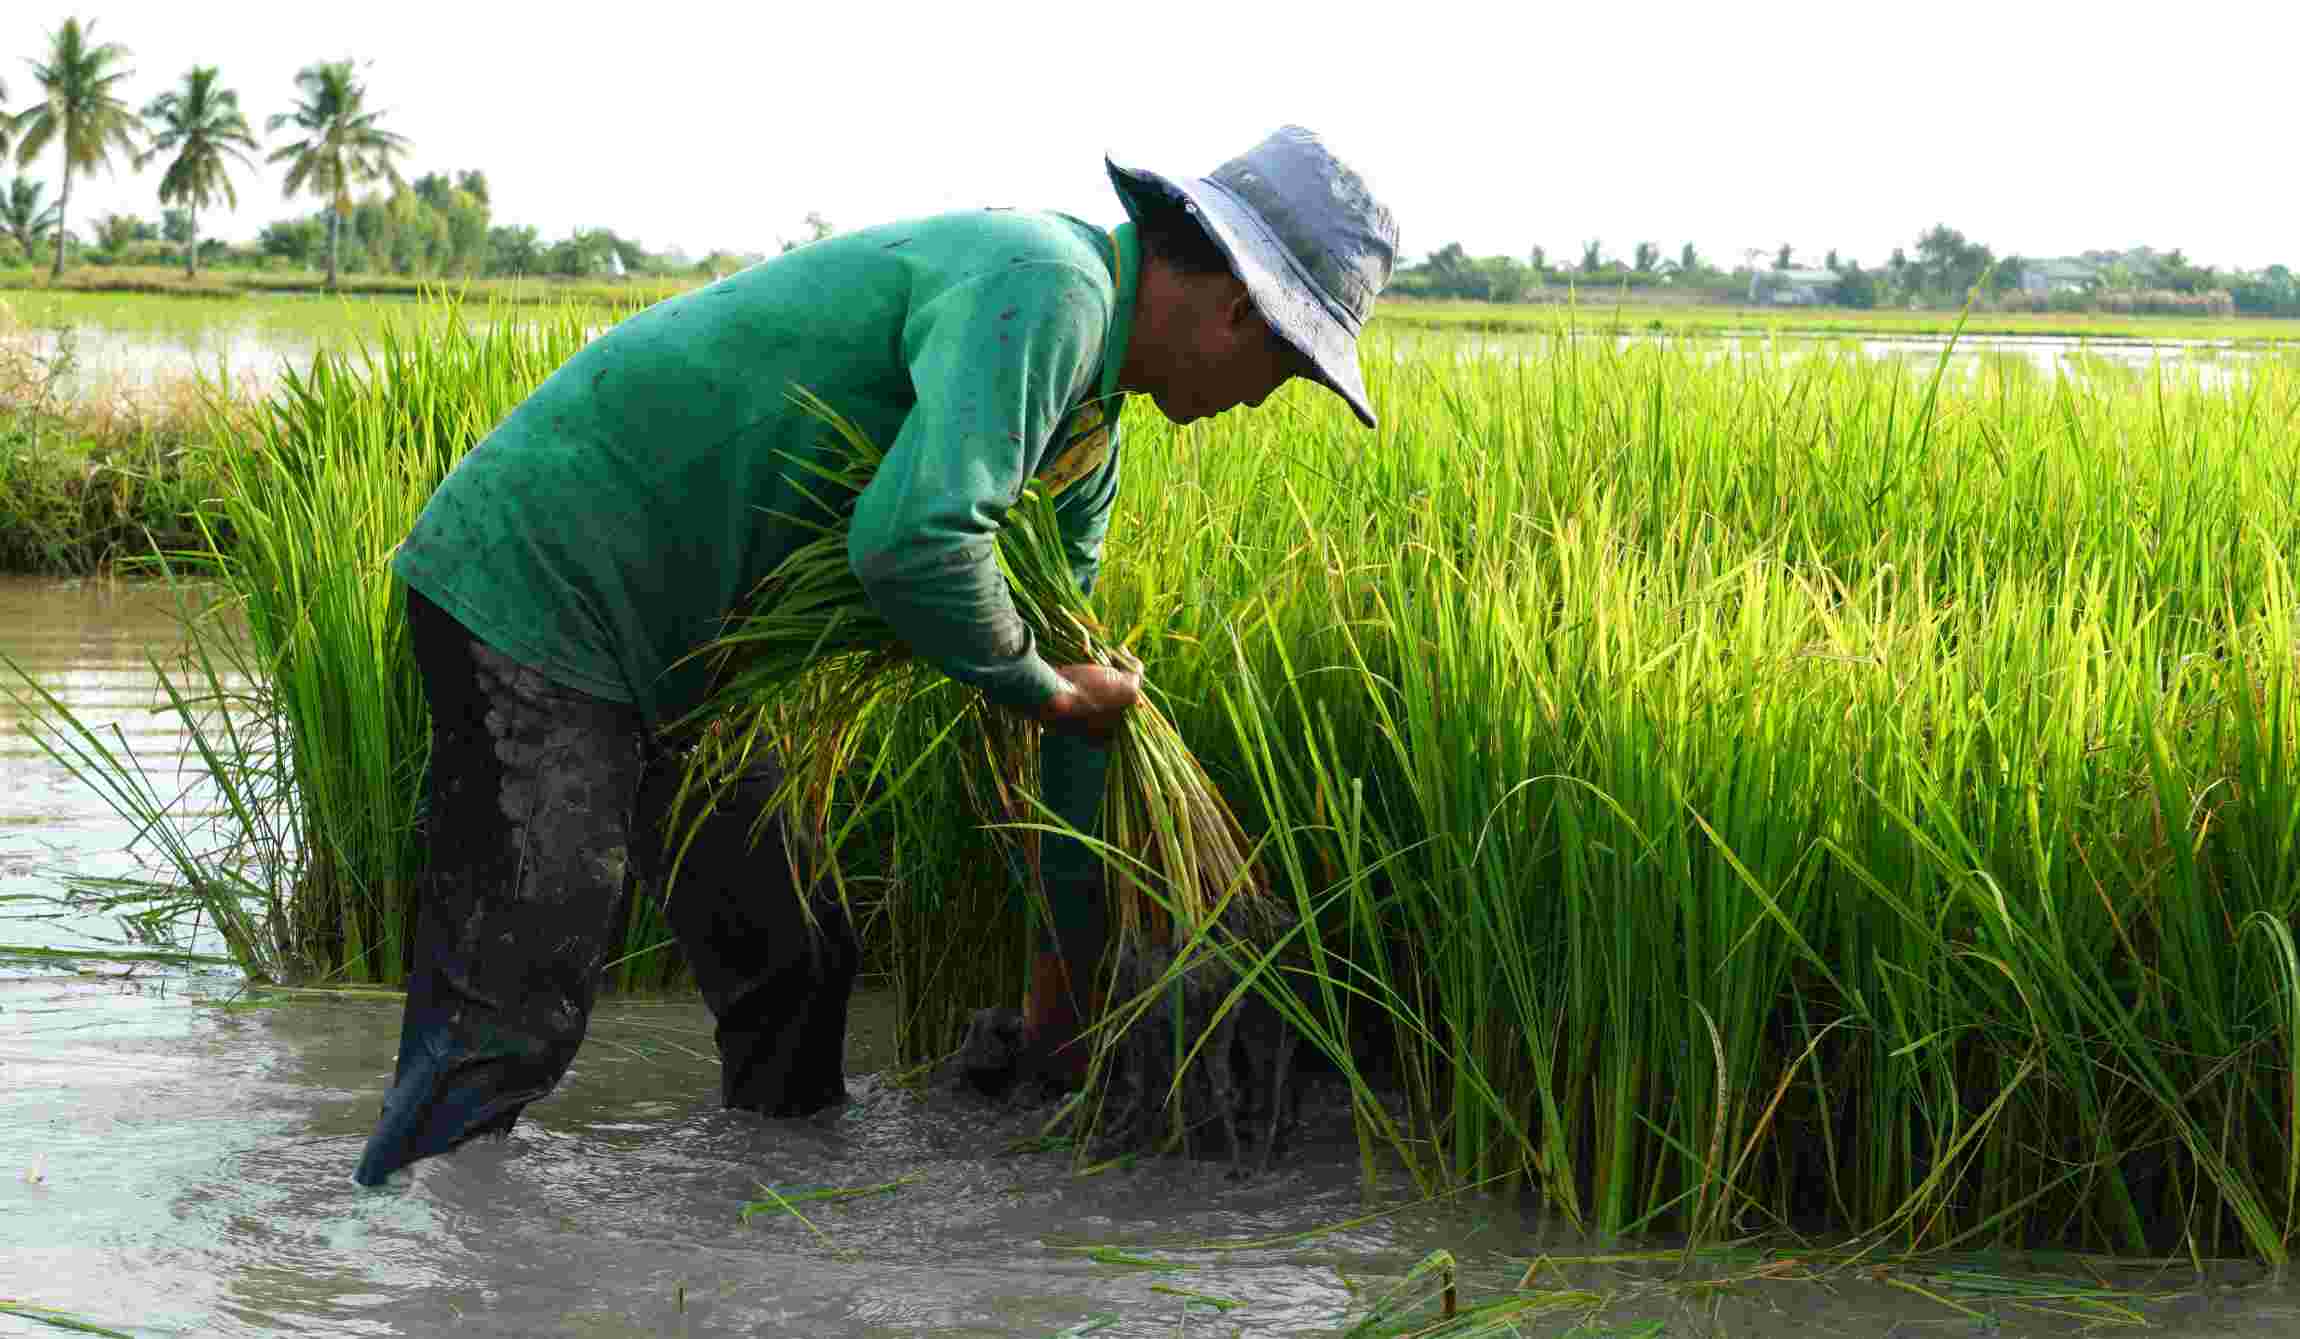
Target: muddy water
{"x":89,"y":644}
{"x":175,"y":1156}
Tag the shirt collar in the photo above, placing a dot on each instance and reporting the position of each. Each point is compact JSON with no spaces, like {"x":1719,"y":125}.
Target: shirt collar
{"x":1126,"y":273}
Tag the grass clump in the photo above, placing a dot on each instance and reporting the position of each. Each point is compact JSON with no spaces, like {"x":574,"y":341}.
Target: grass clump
{"x":810,"y":636}
{"x":1714,"y":793}
{"x":297,"y":687}
{"x":812,"y":675}
{"x":314,"y":496}
{"x":1741,"y":794}
{"x":89,"y":483}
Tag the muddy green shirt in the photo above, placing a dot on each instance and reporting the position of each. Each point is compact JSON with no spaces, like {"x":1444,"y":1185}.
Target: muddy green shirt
{"x":605,"y":529}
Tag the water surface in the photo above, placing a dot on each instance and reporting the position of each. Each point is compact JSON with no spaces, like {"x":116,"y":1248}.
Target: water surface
{"x":176,"y":1149}
{"x":133,"y":344}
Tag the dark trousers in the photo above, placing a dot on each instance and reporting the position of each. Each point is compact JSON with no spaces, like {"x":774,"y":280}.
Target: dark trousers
{"x":546,"y":810}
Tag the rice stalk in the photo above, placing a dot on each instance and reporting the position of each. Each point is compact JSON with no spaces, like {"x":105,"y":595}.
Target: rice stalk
{"x":811,"y":674}
{"x":810,"y":669}
{"x":813,"y":670}
{"x":1931,"y":735}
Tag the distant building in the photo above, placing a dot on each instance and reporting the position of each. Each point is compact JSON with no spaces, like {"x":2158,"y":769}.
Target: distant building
{"x":1793,"y":288}
{"x":2046,"y":277}
{"x":2138,"y":267}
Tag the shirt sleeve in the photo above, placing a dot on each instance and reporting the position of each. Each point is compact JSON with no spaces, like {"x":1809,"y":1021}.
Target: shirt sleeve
{"x":995,"y":362}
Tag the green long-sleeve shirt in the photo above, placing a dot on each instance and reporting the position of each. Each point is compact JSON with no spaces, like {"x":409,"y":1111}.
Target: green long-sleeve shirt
{"x":608,"y":525}
{"x":604,"y":530}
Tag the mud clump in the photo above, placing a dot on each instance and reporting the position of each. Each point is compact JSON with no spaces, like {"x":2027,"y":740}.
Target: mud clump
{"x":989,"y":1057}
{"x":1235,"y":1098}
{"x":1238,"y":1096}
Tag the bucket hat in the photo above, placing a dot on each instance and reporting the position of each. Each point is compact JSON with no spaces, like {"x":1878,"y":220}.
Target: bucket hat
{"x":1309,"y":241}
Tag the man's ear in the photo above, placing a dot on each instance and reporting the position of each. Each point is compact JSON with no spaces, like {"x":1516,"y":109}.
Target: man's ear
{"x":1244,"y":315}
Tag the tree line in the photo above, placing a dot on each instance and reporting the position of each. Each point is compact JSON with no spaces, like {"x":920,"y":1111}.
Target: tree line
{"x":443,"y":225}
{"x":1942,"y":267}
{"x":336,"y":147}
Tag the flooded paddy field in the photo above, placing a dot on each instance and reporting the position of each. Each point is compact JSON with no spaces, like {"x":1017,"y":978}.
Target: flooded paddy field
{"x":131,"y":343}
{"x":175,"y":1154}
{"x":175,"y":1147}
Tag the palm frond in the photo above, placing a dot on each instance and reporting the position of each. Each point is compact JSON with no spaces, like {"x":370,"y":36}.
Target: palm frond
{"x":345,"y":145}
{"x":202,"y":125}
{"x":38,"y":127}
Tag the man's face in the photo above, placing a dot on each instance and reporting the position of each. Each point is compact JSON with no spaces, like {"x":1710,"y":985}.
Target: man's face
{"x":1215,"y":351}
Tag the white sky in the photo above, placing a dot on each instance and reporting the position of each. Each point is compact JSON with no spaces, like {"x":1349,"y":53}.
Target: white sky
{"x":2037,"y":128}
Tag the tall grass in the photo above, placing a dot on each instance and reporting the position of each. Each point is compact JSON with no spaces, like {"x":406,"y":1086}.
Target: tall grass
{"x":317,"y":490}
{"x":1717,"y":792}
{"x":88,"y":483}
{"x":299,"y":689}
{"x":811,"y":672}
{"x":1613,"y":309}
{"x":1754,"y":793}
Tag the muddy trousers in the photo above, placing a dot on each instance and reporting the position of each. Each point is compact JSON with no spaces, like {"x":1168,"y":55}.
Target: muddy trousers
{"x":545,"y":809}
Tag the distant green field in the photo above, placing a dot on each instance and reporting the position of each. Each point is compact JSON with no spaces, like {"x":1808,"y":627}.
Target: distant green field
{"x":292,"y":324}
{"x":230,"y":285}
{"x":1599,"y":309}
{"x":1725,"y":794}
{"x":161,"y":292}
{"x":294,"y":317}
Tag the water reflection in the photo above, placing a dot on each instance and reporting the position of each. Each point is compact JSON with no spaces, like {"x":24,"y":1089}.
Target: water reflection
{"x":196,"y":1178}
{"x":89,"y":645}
{"x":251,"y":349}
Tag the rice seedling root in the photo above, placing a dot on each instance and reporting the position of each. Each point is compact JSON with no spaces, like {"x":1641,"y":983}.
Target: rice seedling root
{"x":1200,"y":1066}
{"x":1187,"y":1062}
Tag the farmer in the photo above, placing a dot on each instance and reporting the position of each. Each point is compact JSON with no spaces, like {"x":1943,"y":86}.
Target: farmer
{"x":560,"y":577}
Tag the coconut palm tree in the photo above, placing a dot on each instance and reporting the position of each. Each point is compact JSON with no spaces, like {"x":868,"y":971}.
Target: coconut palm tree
{"x":24,"y":217}
{"x":201,"y":124}
{"x":342,"y":145}
{"x":80,"y":112}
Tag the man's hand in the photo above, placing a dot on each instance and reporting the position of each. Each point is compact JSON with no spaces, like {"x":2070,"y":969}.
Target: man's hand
{"x":1092,"y":701}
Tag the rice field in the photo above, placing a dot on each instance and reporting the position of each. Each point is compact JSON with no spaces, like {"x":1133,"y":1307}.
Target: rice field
{"x":167,"y":283}
{"x":1601,"y":307}
{"x":1719,"y":795}
{"x":1752,"y":794}
{"x":287,"y":320}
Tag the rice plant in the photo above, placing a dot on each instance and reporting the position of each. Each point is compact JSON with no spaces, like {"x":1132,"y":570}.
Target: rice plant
{"x":1755,"y":794}
{"x":87,"y":482}
{"x":812,"y":673}
{"x":811,"y":628}
{"x":1713,"y":791}
{"x":319,"y":749}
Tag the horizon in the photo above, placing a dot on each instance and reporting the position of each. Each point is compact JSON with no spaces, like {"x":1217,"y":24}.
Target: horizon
{"x":959,"y":114}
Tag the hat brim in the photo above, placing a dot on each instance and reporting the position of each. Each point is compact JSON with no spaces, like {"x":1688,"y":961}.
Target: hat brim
{"x":1279,"y":291}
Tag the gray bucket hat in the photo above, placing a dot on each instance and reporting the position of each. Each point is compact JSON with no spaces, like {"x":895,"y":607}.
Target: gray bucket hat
{"x":1302,"y":232}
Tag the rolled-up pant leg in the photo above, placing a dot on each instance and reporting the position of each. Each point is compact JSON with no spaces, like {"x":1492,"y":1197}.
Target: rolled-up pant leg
{"x":531,"y":795}
{"x":777,"y":984}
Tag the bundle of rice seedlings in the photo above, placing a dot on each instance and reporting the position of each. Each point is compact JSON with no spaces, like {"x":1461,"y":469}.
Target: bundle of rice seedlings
{"x":810,"y":674}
